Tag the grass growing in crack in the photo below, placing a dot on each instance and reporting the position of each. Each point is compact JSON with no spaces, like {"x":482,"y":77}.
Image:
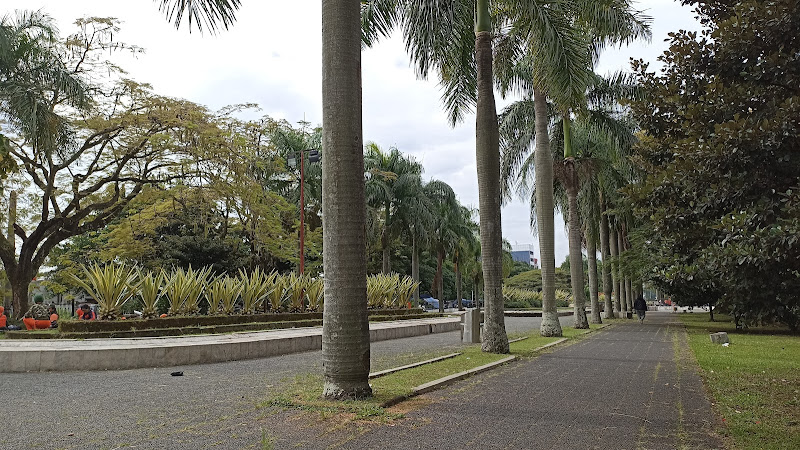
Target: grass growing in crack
{"x":755,"y":381}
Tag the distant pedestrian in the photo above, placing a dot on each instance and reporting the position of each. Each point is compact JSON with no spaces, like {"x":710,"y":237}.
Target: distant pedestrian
{"x":641,"y":308}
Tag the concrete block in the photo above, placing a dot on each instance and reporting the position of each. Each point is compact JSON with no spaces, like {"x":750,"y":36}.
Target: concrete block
{"x":472,"y":326}
{"x":720,"y":338}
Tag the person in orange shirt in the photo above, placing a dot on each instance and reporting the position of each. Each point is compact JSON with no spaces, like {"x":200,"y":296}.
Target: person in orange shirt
{"x":86,"y":313}
{"x":53,"y":316}
{"x":3,"y":318}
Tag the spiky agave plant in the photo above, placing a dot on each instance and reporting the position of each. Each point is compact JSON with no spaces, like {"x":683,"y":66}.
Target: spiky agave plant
{"x":295,"y":288}
{"x":380,"y":290}
{"x":150,"y":285}
{"x":315,"y":292}
{"x":184,"y":288}
{"x":277,"y":295}
{"x":405,"y":290}
{"x":111,"y":286}
{"x":563,"y":297}
{"x":198,"y":280}
{"x":222,"y":294}
{"x":255,"y":287}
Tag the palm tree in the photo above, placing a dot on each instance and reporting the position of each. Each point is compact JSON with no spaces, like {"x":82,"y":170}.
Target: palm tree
{"x":416,"y":216}
{"x":345,"y":334}
{"x":456,"y":39}
{"x":392,"y":178}
{"x":449,"y":226}
{"x":34,"y":81}
{"x":580,"y":25}
{"x":467,"y":244}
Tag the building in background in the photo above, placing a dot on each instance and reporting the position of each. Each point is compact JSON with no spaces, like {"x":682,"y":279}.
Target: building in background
{"x":524,"y":253}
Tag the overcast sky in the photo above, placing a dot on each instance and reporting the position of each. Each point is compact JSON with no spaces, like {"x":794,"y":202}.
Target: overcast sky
{"x":272,"y":56}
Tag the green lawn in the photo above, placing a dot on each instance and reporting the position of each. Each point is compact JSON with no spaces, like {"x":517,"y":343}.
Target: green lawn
{"x":755,"y":382}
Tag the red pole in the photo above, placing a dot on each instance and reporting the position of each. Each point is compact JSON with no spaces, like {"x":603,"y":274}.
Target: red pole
{"x":302,"y":214}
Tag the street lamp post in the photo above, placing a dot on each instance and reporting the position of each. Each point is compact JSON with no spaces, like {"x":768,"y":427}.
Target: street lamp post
{"x":313,"y":156}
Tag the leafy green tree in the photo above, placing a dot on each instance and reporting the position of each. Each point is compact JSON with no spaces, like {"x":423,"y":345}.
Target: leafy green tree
{"x":719,"y":202}
{"x":129,"y":139}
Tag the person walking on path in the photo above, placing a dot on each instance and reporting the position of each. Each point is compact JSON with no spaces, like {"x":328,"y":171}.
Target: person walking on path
{"x":641,"y":308}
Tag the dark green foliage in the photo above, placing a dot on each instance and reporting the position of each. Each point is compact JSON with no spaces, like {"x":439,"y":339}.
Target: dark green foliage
{"x":721,"y":153}
{"x":532,"y":280}
{"x":520,"y":267}
{"x":204,"y":321}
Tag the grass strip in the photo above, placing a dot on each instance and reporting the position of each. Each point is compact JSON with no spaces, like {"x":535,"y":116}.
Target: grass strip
{"x":411,"y":366}
{"x":303,"y":392}
{"x":755,"y":382}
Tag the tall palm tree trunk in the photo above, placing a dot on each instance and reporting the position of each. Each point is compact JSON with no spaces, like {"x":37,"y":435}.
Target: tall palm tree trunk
{"x":387,"y":266}
{"x":439,"y":279}
{"x":345,"y":329}
{"x":605,"y":252}
{"x":623,"y":278}
{"x":415,"y":267}
{"x":459,"y":287}
{"x":591,"y":254}
{"x":487,"y":158}
{"x":575,"y":258}
{"x":615,"y":272}
{"x":543,"y":166}
{"x":629,"y":293}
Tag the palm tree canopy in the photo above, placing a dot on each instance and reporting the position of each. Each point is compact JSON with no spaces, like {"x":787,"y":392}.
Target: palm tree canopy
{"x":34,"y":81}
{"x":202,"y":13}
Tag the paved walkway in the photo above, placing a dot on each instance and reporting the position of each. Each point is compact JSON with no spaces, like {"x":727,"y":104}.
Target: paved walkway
{"x":629,"y":386}
{"x":633,"y":386}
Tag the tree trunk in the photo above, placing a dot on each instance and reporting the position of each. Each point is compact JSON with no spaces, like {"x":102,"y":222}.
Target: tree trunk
{"x":12,"y":218}
{"x":415,"y":267}
{"x":487,"y":158}
{"x":459,"y":290}
{"x":345,"y":330}
{"x":20,"y":285}
{"x":629,"y":294}
{"x":543,"y":166}
{"x":591,"y":254}
{"x":615,"y":273}
{"x":605,"y":252}
{"x":575,"y":256}
{"x":387,"y":266}
{"x":438,"y":281}
{"x":623,"y":278}
{"x":711,"y":312}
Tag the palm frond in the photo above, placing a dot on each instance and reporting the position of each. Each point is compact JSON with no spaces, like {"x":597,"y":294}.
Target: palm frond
{"x":202,"y":13}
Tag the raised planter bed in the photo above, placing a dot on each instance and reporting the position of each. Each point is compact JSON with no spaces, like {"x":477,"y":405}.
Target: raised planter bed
{"x":71,"y":326}
{"x":108,"y":329}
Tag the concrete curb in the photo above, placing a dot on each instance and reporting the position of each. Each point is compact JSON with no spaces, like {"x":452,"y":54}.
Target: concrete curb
{"x":65,"y":355}
{"x":550,"y":344}
{"x":411,"y":366}
{"x":444,"y":381}
{"x":518,"y":339}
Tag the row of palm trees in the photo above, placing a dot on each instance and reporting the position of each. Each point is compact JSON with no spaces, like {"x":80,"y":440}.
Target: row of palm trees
{"x":544,"y":50}
{"x":427,"y":214}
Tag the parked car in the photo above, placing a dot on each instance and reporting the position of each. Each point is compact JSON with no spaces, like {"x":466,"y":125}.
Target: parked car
{"x":429,"y":303}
